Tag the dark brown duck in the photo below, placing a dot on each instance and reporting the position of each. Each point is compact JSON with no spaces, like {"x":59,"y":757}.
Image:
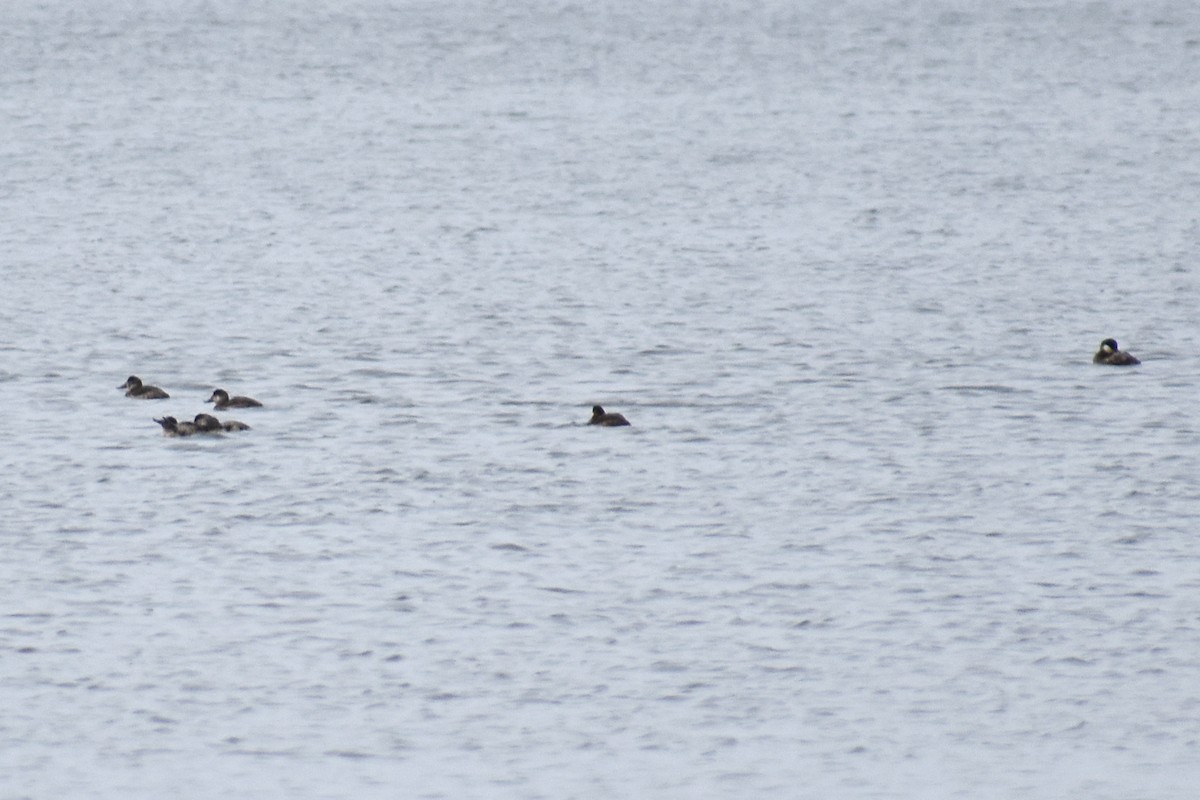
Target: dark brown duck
{"x":607,"y":419}
{"x":134,"y":387}
{"x":221,"y":400}
{"x":1110,"y":353}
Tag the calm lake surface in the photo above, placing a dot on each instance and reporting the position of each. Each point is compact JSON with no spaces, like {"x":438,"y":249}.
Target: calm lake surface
{"x":879,"y":529}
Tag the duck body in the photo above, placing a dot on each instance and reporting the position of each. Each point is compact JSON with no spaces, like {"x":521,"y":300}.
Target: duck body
{"x":221,"y":400}
{"x":1111,"y":353}
{"x":172,"y":427}
{"x":606,"y":419}
{"x":207,"y":423}
{"x":134,"y":387}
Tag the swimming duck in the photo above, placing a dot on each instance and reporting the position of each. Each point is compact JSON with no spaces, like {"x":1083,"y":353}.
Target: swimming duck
{"x":1110,"y":353}
{"x":609,"y":420}
{"x":172,"y":427}
{"x":135,"y":388}
{"x":222,"y":400}
{"x":207,"y":423}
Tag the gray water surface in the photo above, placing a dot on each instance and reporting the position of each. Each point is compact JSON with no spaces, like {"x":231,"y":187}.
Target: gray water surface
{"x":879,"y":528}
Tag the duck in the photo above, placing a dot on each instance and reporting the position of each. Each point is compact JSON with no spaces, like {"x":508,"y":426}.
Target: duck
{"x":135,"y":388}
{"x":207,"y":423}
{"x":1110,"y":353}
{"x":172,"y":427}
{"x":221,"y":400}
{"x":607,"y":419}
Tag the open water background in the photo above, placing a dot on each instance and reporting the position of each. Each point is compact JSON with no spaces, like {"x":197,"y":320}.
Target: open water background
{"x":880,"y":529}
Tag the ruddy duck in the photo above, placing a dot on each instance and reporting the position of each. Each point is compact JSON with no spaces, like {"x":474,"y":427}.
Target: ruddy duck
{"x":135,"y":388}
{"x":1109,"y":353}
{"x":222,"y":400}
{"x":600,"y":417}
{"x":172,"y":427}
{"x":207,"y":423}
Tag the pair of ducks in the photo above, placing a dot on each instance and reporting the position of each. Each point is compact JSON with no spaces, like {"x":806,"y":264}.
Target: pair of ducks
{"x":1109,"y":353}
{"x":203,"y":423}
{"x":220,"y":398}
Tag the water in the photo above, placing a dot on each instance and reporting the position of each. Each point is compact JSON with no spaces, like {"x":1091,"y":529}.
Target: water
{"x":879,"y":529}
